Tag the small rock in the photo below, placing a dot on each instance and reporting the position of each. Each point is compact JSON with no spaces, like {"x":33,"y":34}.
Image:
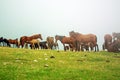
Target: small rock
{"x":52,"y":56}
{"x":46,"y":58}
{"x":80,"y":60}
{"x":45,"y":54}
{"x":35,"y":61}
{"x":107,"y":60}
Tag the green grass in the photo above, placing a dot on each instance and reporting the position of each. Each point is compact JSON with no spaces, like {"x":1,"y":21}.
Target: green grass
{"x":26,"y":64}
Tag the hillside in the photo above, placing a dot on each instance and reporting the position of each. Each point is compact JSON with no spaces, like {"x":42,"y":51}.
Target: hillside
{"x":26,"y":64}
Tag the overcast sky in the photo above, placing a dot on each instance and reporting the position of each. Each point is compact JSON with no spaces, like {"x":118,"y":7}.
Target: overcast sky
{"x":51,"y":17}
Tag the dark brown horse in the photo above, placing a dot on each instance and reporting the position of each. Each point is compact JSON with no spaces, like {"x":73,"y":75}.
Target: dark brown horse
{"x":64,"y":40}
{"x":43,"y":45}
{"x":14,"y":42}
{"x":114,"y":46}
{"x":84,"y":39}
{"x":107,"y":41}
{"x":4,"y":42}
{"x":51,"y":43}
{"x":24,"y":39}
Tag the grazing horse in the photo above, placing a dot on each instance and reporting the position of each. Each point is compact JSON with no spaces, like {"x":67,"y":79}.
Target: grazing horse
{"x":14,"y":42}
{"x":84,"y":39}
{"x":24,"y":39}
{"x":114,"y":46}
{"x":34,"y":43}
{"x":107,"y":41}
{"x":4,"y":42}
{"x":50,"y":42}
{"x":116,"y":35}
{"x":64,"y":40}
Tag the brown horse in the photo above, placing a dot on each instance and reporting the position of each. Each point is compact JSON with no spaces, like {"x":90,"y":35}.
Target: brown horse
{"x":24,"y":39}
{"x":50,"y":42}
{"x":14,"y":42}
{"x":107,"y":41}
{"x":84,"y":39}
{"x":34,"y":43}
{"x":64,"y":40}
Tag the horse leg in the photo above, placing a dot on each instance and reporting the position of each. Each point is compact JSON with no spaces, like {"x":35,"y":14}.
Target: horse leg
{"x":38,"y":45}
{"x":34,"y":45}
{"x":103,"y":47}
{"x":82,"y":48}
{"x":91,"y":46}
{"x":97,"y":48}
{"x":64,"y":47}
{"x":78,"y":45}
{"x":22,"y":44}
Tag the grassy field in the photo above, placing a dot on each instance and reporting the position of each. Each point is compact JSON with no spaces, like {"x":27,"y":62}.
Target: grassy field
{"x":26,"y":64}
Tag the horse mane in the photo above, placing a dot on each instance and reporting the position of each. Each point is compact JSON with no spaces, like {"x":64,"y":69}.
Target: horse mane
{"x":60,"y":37}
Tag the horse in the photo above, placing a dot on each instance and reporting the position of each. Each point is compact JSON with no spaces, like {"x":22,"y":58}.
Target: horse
{"x":64,"y":40}
{"x":114,"y":46}
{"x":24,"y":39}
{"x":116,"y":35}
{"x":33,"y":43}
{"x":14,"y":42}
{"x":50,"y":42}
{"x":84,"y":39}
{"x":107,"y":41}
{"x":55,"y":45}
{"x":43,"y":45}
{"x":1,"y":41}
{"x":6,"y":42}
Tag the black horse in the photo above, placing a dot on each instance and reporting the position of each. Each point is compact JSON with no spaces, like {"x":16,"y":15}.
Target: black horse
{"x":43,"y":45}
{"x":4,"y":42}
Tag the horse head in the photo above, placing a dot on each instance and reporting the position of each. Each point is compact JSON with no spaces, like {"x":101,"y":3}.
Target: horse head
{"x":40,"y":36}
{"x":57,"y":37}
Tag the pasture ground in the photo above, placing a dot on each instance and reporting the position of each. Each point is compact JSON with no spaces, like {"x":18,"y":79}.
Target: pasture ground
{"x":26,"y":64}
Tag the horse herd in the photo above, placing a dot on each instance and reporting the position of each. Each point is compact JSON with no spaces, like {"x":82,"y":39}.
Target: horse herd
{"x":74,"y":42}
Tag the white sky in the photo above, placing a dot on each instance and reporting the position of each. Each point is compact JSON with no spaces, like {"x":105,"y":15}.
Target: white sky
{"x":51,"y":17}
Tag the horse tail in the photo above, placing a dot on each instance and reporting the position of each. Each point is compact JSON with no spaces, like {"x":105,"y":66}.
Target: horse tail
{"x":22,"y":41}
{"x":96,"y":39}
